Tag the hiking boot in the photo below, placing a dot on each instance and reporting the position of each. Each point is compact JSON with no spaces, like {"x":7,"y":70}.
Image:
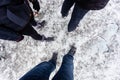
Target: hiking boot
{"x":41,"y":24}
{"x":20,"y":39}
{"x":48,"y":38}
{"x":37,"y":37}
{"x":64,"y":15}
{"x":42,"y":37}
{"x":54,"y":56}
{"x":72,"y":26}
{"x":72,"y":51}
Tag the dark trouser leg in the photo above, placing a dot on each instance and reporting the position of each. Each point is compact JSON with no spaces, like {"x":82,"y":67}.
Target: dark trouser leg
{"x":40,"y":72}
{"x":77,"y":15}
{"x":66,"y":70}
{"x":30,"y":31}
{"x":32,"y":20}
{"x":8,"y":34}
{"x":67,"y":4}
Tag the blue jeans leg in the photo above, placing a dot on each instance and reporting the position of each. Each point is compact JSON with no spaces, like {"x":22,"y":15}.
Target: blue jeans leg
{"x":66,"y":70}
{"x":67,"y":4}
{"x":77,"y":15}
{"x":41,"y":72}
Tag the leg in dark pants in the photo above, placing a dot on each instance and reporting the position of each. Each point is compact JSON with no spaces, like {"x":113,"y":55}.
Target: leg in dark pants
{"x":77,"y":15}
{"x":66,"y":69}
{"x":30,"y":31}
{"x":67,"y":4}
{"x":8,"y":34}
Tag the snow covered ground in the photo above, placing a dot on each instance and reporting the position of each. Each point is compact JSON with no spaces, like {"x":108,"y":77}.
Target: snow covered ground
{"x":97,"y":40}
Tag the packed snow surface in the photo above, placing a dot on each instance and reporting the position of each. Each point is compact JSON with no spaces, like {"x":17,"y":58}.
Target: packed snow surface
{"x":97,"y":40}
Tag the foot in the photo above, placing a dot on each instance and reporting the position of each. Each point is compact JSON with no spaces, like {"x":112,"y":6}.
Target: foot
{"x":54,"y":56}
{"x":37,"y":37}
{"x":72,"y":51}
{"x":41,"y":24}
{"x":71,"y":28}
{"x":20,"y":39}
{"x":64,"y":14}
{"x":42,"y":38}
{"x":47,"y":38}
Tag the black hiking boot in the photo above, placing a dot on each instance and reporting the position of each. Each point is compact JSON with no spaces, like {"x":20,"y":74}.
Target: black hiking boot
{"x":72,"y":51}
{"x":54,"y":58}
{"x":41,"y":24}
{"x":42,"y":37}
{"x":20,"y":39}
